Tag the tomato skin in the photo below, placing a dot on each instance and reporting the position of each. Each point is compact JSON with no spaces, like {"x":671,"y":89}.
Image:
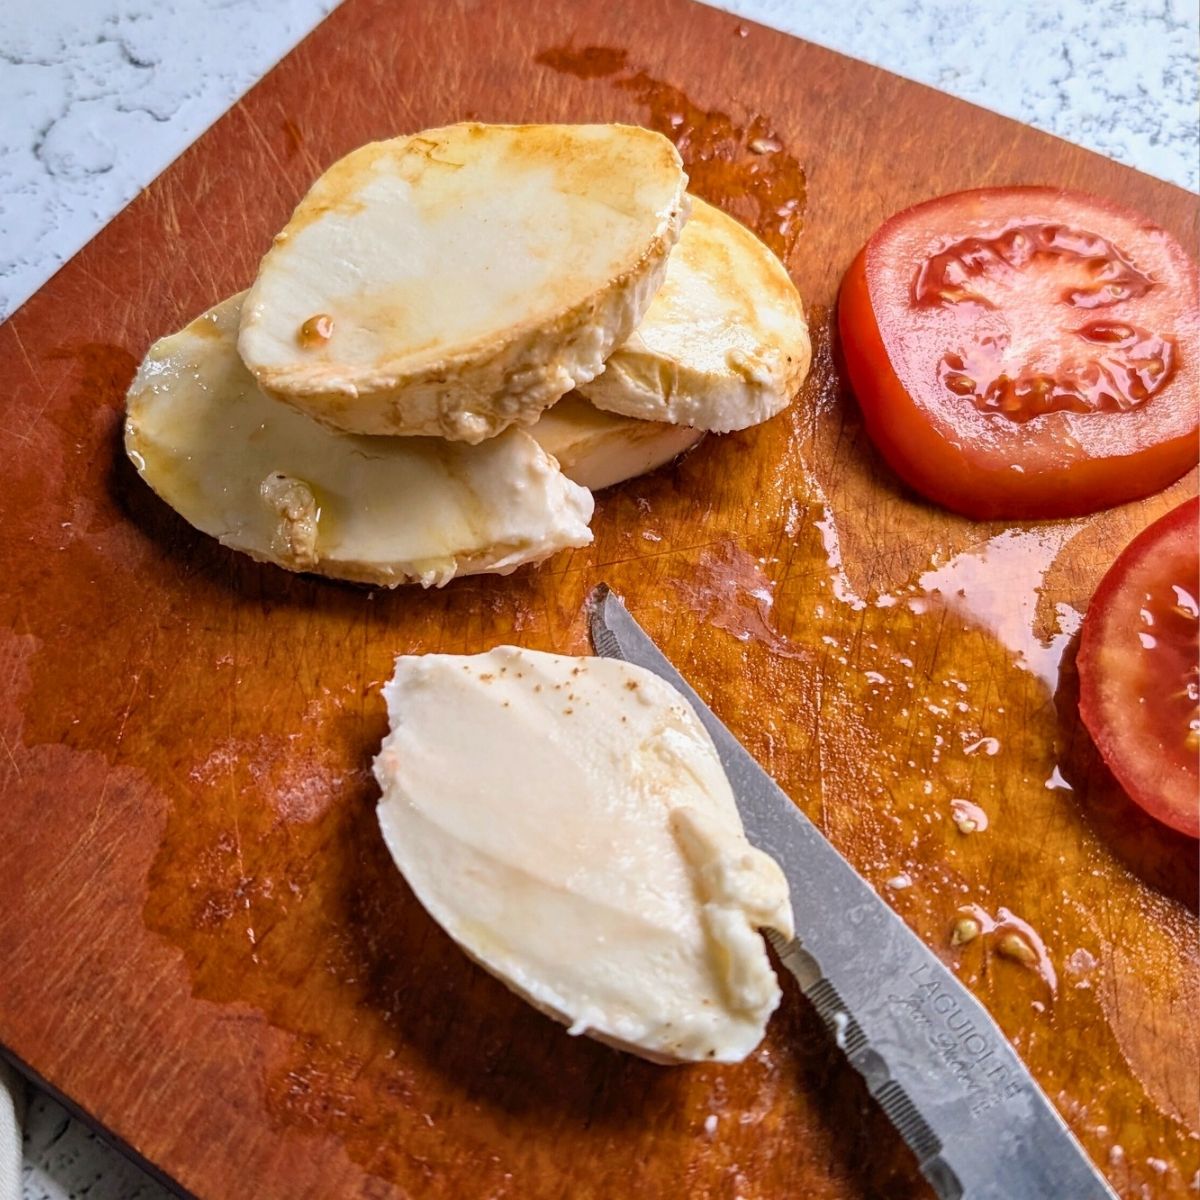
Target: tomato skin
{"x":1126,"y":704}
{"x":982,"y":464}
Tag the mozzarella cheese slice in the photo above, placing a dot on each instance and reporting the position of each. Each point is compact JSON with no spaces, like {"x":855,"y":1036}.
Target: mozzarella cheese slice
{"x":568,"y":823}
{"x":724,"y":344}
{"x":267,"y":480}
{"x":598,"y":449}
{"x":460,"y":280}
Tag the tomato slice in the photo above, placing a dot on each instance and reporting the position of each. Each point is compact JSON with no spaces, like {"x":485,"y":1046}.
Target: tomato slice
{"x":1139,"y":676}
{"x":1025,"y":352}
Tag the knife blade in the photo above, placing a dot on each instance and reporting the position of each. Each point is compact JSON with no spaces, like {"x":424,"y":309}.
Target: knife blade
{"x":931,"y":1054}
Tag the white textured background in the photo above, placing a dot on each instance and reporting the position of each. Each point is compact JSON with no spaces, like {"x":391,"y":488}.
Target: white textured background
{"x":1117,"y":76}
{"x":98,"y":96}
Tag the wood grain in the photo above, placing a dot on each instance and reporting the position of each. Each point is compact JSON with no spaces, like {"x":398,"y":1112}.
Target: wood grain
{"x":202,"y":940}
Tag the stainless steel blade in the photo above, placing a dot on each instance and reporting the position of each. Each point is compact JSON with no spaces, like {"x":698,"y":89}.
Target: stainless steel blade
{"x":930,"y":1053}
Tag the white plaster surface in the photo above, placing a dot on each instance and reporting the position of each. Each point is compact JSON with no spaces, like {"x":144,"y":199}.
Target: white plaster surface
{"x":1117,"y":76}
{"x":98,"y":96}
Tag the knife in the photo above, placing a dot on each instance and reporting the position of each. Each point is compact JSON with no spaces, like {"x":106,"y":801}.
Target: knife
{"x":932,"y":1057}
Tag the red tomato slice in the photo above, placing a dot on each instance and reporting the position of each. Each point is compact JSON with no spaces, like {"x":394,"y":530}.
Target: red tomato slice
{"x":1025,"y":352}
{"x":1139,"y":678}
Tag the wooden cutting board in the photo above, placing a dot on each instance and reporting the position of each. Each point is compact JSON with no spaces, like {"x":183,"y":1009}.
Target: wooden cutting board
{"x":202,"y":939}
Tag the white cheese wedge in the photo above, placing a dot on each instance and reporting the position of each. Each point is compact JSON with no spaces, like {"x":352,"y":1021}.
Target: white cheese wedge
{"x":724,"y":344}
{"x":459,"y":280}
{"x":568,"y":823}
{"x":267,"y":480}
{"x":598,"y":449}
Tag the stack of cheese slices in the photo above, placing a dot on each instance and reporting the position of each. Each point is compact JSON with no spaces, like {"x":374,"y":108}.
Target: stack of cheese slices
{"x":455,"y":337}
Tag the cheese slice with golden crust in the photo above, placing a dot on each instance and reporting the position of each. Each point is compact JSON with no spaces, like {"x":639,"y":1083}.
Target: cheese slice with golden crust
{"x":265,"y":479}
{"x":599,"y":449}
{"x":568,"y":822}
{"x":460,"y":280}
{"x":724,"y":344}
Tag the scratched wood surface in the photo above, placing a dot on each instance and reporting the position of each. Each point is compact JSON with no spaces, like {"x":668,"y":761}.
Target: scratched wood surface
{"x":202,"y":940}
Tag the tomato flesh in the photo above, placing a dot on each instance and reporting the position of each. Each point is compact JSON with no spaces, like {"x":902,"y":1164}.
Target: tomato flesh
{"x":1025,"y":352}
{"x":1005,"y":357}
{"x":1139,"y":669}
